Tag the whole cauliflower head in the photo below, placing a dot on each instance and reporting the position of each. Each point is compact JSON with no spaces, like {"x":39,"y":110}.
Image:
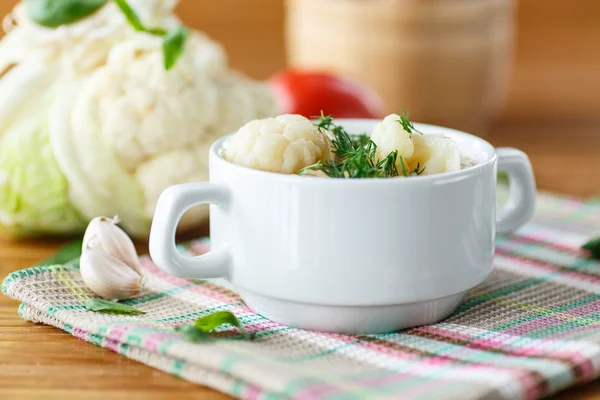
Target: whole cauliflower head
{"x":91,"y":122}
{"x":283,"y":144}
{"x":389,"y":136}
{"x":131,"y":128}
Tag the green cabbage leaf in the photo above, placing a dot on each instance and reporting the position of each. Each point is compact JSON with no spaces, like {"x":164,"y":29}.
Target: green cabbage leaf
{"x":33,"y":189}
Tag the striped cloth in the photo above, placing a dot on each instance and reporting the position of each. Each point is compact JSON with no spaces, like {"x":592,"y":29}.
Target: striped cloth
{"x":531,"y":329}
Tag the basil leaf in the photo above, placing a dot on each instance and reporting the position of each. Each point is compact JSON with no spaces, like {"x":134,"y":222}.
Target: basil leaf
{"x":214,"y":320}
{"x":193,"y":334}
{"x":67,"y":255}
{"x":111,"y":307}
{"x":173,"y":45}
{"x":593,"y":246}
{"x":198,"y":330}
{"x":54,"y":13}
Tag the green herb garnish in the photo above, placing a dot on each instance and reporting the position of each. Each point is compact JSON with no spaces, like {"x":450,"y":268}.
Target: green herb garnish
{"x":135,"y":21}
{"x":388,"y":164}
{"x":360,"y":140}
{"x":67,"y":255}
{"x":593,"y":246}
{"x":199,"y":329}
{"x":173,"y":40}
{"x":325,"y":122}
{"x":173,"y":45}
{"x":418,"y":171}
{"x":406,"y":124}
{"x":54,"y":13}
{"x":131,"y":15}
{"x":403,"y":166}
{"x":111,"y":307}
{"x":354,"y":156}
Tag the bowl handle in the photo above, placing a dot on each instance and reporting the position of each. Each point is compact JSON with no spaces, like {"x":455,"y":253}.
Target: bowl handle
{"x":172,"y":204}
{"x":521,"y":199}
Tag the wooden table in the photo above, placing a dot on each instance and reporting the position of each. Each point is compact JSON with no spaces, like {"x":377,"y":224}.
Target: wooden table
{"x":43,"y":362}
{"x":555,"y":76}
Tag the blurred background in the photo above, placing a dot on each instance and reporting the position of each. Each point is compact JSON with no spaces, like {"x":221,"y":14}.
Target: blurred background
{"x":521,"y":73}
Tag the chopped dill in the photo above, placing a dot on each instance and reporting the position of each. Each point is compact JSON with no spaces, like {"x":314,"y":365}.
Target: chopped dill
{"x":406,"y":124}
{"x":355,"y":155}
{"x":418,"y":171}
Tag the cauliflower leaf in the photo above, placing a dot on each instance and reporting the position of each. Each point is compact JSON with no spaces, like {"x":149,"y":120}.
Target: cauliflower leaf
{"x":33,"y":190}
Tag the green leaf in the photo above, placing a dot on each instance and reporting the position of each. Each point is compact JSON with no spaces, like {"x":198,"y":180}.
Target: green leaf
{"x":54,"y":13}
{"x":135,"y":21}
{"x":34,"y":191}
{"x":156,"y":31}
{"x":193,"y":334}
{"x":174,"y":40}
{"x":198,"y":330}
{"x":132,"y":17}
{"x":502,"y":178}
{"x":67,"y":255}
{"x":173,"y":45}
{"x":111,"y":307}
{"x":593,"y":246}
{"x":212,"y":321}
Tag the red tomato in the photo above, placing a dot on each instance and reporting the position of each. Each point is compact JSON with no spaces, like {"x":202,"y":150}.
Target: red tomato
{"x":308,"y":93}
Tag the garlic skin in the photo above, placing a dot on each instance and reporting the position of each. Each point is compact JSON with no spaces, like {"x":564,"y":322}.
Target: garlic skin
{"x":109,"y":264}
{"x":109,"y":277}
{"x":104,"y":235}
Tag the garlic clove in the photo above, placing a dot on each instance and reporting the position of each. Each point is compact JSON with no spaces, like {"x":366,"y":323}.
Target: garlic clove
{"x":104,"y":235}
{"x":108,"y":276}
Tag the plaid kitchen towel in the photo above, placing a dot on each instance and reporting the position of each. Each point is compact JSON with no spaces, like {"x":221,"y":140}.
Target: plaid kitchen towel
{"x":531,"y":329}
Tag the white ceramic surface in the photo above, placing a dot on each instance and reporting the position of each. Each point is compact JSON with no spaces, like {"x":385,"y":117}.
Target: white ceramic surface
{"x":349,"y":255}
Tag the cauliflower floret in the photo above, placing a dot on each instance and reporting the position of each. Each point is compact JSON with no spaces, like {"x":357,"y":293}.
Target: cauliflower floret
{"x":157,"y":174}
{"x":283,"y":144}
{"x":144,"y":110}
{"x":241,"y":100}
{"x":434,"y":153}
{"x":389,"y":135}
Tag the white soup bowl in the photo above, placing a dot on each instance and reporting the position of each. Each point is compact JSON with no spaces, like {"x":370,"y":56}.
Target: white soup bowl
{"x":349,"y":255}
